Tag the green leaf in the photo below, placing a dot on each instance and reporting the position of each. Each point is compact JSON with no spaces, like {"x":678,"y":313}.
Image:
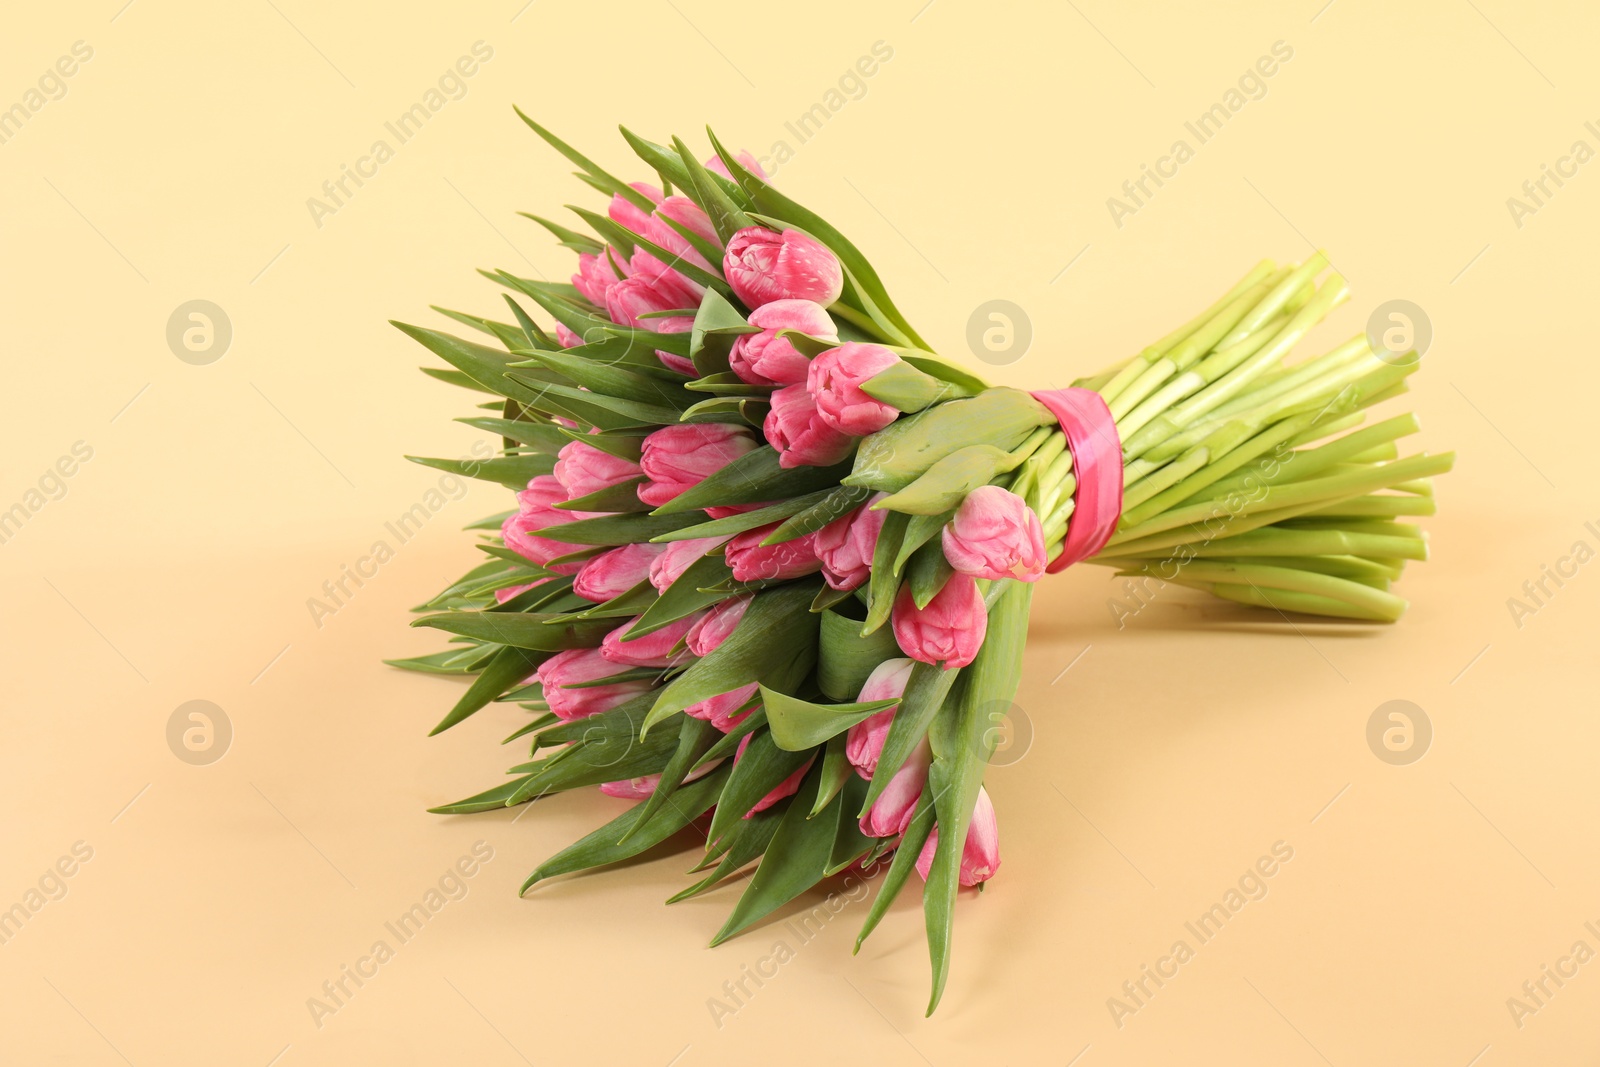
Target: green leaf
{"x":608,"y":379}
{"x":849,"y":843}
{"x":485,"y":366}
{"x":945,"y":484}
{"x":925,"y":693}
{"x":632,"y":832}
{"x":883,"y":585}
{"x":760,"y":770}
{"x":578,"y":242}
{"x":836,"y":505}
{"x":446,"y":662}
{"x":607,"y":412}
{"x":795,"y":860}
{"x":488,"y":800}
{"x":755,"y":477}
{"x":745,"y":520}
{"x":919,"y":531}
{"x":513,"y":472}
{"x":776,"y":637}
{"x":726,"y":217}
{"x":540,"y":632}
{"x":746,"y":841}
{"x":905,"y":388}
{"x":905,"y":861}
{"x":716,"y":326}
{"x":836,"y":770}
{"x":928,"y":573}
{"x":616,"y":529}
{"x":541,"y":436}
{"x":608,"y":181}
{"x":846,"y":656}
{"x":623,"y":497}
{"x":687,"y":595}
{"x":901,"y":452}
{"x":728,"y":744}
{"x":508,"y":668}
{"x":800,"y":725}
{"x":959,"y":757}
{"x":695,"y":736}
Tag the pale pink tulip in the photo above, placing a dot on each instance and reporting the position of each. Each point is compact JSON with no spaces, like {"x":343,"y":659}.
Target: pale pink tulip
{"x":846,"y":545}
{"x":678,"y":458}
{"x":582,"y":469}
{"x":613,"y":573}
{"x":752,"y":561}
{"x":995,"y":534}
{"x":717,"y":625}
{"x":679,"y":557}
{"x":765,"y":358}
{"x":803,"y":439}
{"x":762,"y":266}
{"x":893,"y":809}
{"x":864,"y":741}
{"x":980,"y":857}
{"x":576,"y":666}
{"x":745,"y":159}
{"x":723,"y":710}
{"x":658,"y":648}
{"x":949,"y":631}
{"x":535,"y":512}
{"x":834,"y":380}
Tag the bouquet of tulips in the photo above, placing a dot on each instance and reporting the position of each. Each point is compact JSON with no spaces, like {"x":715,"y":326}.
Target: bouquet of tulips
{"x":769,"y":570}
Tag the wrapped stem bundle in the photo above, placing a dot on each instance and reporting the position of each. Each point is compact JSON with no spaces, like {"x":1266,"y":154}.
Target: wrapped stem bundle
{"x":770,"y":569}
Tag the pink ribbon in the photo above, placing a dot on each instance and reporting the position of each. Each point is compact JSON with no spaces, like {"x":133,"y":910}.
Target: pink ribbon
{"x":1096,"y":464}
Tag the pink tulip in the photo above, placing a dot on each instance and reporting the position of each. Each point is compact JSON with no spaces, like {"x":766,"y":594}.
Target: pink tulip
{"x":534,"y":512}
{"x":752,"y":561}
{"x":846,"y":545}
{"x":651,"y":287}
{"x":582,"y":469}
{"x":632,"y":788}
{"x":716,"y":166}
{"x":679,"y":557}
{"x":835,"y":379}
{"x":864,"y":742}
{"x":763,"y":266}
{"x":765,"y":358}
{"x":566,"y":337}
{"x":995,"y":534}
{"x":597,"y":273}
{"x":576,"y":666}
{"x":627,"y":214}
{"x":949,"y":631}
{"x":980,"y":857}
{"x":892,"y":811}
{"x":798,"y":432}
{"x":718,"y":624}
{"x":613,"y":573}
{"x":688,"y":214}
{"x":658,"y":648}
{"x":786,"y":788}
{"x":677,"y":458}
{"x":723,"y":710}
{"x":503,"y":595}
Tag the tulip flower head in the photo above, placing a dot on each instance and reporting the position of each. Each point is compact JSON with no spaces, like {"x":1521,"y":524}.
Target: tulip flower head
{"x":995,"y":534}
{"x":762,"y":265}
{"x":834,"y":381}
{"x":949,"y":631}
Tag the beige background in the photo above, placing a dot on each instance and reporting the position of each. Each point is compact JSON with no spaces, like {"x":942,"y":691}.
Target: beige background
{"x":976,"y":165}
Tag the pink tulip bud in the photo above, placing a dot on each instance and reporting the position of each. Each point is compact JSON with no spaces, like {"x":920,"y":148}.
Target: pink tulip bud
{"x":503,"y":595}
{"x":651,"y":287}
{"x":846,"y":545}
{"x":786,"y":788}
{"x":566,"y":338}
{"x":716,"y":166}
{"x":718,"y":624}
{"x":632,"y":788}
{"x":597,"y":273}
{"x":724,"y":710}
{"x":576,"y":666}
{"x":892,"y":811}
{"x":864,"y":742}
{"x":752,"y":561}
{"x":679,"y":557}
{"x":582,"y":469}
{"x":613,"y":573}
{"x":798,"y":432}
{"x":658,"y":648}
{"x":627,"y":214}
{"x":688,"y":214}
{"x":834,"y":380}
{"x":949,"y":631}
{"x":677,"y":458}
{"x":534,"y":512}
{"x":980,"y":857}
{"x":765,"y":358}
{"x":995,"y":534}
{"x":763,"y":266}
